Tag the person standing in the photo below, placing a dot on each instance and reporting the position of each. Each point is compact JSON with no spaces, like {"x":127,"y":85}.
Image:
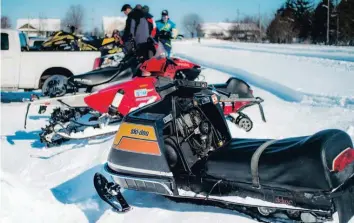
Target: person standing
{"x":166,"y":30}
{"x":138,"y":28}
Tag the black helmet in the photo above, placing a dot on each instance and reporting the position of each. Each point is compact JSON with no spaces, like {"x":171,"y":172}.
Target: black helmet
{"x":125,"y":7}
{"x":146,"y":8}
{"x":164,"y":12}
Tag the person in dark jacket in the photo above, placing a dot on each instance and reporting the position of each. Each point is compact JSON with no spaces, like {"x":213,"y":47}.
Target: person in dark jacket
{"x":138,"y":26}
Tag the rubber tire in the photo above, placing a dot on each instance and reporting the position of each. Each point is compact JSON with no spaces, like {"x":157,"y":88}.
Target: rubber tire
{"x":45,"y":83}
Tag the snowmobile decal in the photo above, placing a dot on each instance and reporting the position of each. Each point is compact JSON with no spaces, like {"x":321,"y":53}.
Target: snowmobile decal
{"x":139,"y":146}
{"x":137,"y":138}
{"x":140,"y":93}
{"x":343,"y":159}
{"x":131,"y":130}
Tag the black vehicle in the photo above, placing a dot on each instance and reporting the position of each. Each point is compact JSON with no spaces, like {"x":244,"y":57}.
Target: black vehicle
{"x":181,"y":147}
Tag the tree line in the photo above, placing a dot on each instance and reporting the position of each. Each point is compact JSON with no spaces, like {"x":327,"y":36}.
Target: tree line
{"x":328,"y":22}
{"x":74,"y":16}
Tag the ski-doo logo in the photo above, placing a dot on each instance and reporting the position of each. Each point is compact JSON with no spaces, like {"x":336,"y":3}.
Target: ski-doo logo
{"x":84,"y":81}
{"x":281,"y":200}
{"x":139,"y":132}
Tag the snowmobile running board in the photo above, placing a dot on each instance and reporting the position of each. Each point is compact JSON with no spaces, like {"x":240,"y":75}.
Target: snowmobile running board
{"x":110,"y":193}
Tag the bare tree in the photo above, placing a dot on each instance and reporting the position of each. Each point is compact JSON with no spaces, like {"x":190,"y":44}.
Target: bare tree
{"x":249,"y":19}
{"x":191,"y":22}
{"x":266,"y":19}
{"x":74,"y":17}
{"x":5,"y":22}
{"x":234,"y":31}
{"x":95,"y":32}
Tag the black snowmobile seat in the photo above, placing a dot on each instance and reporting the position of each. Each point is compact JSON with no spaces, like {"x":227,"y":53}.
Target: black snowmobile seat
{"x":301,"y":163}
{"x":101,"y":76}
{"x":236,"y":86}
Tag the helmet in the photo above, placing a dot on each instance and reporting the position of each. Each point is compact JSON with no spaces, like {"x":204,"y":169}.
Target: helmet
{"x":125,"y":7}
{"x":164,"y":12}
{"x":146,"y":8}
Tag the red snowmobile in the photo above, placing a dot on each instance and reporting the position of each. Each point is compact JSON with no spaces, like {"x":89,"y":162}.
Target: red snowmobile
{"x":101,"y":111}
{"x":181,"y":147}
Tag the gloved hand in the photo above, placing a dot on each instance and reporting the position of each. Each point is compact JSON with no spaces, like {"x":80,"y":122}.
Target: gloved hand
{"x":165,"y":35}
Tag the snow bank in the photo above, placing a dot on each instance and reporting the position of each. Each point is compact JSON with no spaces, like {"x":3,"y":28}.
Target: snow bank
{"x":20,"y":203}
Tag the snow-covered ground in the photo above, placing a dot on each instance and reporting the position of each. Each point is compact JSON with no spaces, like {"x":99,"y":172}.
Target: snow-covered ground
{"x":303,"y":95}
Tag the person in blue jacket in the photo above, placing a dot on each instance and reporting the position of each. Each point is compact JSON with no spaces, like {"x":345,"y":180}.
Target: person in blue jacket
{"x":166,"y":30}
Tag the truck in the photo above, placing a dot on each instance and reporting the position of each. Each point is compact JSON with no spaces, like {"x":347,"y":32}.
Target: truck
{"x":22,"y":68}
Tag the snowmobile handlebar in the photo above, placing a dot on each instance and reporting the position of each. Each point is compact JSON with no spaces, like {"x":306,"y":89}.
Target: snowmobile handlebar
{"x":190,"y":84}
{"x":227,"y":94}
{"x":168,"y":83}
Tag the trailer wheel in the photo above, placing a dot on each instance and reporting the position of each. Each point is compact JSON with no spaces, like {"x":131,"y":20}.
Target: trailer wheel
{"x":245,"y":123}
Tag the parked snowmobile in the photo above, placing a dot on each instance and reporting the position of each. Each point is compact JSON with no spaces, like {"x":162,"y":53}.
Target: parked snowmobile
{"x":92,"y":80}
{"x":106,"y":107}
{"x":65,"y":41}
{"x":88,"y":115}
{"x":181,"y":147}
{"x":59,"y":41}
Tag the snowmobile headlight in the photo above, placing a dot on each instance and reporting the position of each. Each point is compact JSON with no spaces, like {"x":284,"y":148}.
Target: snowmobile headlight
{"x":220,"y":143}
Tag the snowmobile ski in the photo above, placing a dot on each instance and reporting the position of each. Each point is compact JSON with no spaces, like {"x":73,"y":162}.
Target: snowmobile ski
{"x":110,"y":193}
{"x":90,"y":132}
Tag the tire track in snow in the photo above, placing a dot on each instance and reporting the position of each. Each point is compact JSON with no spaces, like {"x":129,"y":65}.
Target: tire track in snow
{"x":273,"y":87}
{"x":279,"y":90}
{"x":347,"y":58}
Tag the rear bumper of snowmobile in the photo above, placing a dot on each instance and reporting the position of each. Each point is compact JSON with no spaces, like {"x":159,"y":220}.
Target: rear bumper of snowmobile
{"x":151,"y":184}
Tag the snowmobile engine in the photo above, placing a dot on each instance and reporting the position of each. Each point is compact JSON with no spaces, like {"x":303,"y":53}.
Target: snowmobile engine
{"x":196,"y":131}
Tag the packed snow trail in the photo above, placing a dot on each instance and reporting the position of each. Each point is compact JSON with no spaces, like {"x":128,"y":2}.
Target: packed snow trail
{"x":284,"y":47}
{"x":343,"y":53}
{"x":303,"y":75}
{"x":339,"y":57}
{"x":55,"y":184}
{"x":275,"y":88}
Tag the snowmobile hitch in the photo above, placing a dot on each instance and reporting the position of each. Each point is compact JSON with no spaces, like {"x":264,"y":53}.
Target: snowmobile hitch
{"x":259,"y":101}
{"x":110,"y":193}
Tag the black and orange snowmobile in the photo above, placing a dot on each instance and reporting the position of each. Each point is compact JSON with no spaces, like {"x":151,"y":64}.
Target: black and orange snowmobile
{"x":181,"y":147}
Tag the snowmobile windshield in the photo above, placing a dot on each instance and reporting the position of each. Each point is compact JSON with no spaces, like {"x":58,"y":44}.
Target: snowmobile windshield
{"x":160,"y":51}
